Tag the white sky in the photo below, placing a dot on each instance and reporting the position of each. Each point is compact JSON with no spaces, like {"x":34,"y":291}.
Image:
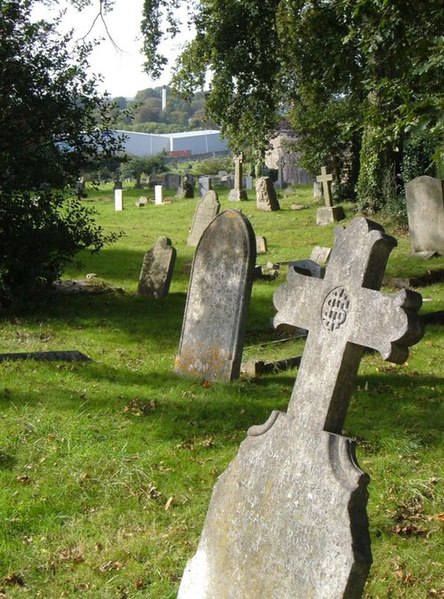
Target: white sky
{"x":121,"y":71}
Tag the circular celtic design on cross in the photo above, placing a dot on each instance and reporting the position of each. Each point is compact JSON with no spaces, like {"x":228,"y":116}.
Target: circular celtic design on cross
{"x":335,"y":309}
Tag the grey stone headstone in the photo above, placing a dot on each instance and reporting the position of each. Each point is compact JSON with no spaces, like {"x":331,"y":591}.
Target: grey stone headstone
{"x":287,"y":519}
{"x":425,"y":211}
{"x":329,"y":214}
{"x":261,"y":244}
{"x":266,"y":198}
{"x":320,"y":254}
{"x":142,"y":201}
{"x":186,"y":187}
{"x":206,"y":211}
{"x":204,"y":185}
{"x":218,"y":296}
{"x":157,"y":269}
{"x":172,"y":180}
{"x":317,"y":190}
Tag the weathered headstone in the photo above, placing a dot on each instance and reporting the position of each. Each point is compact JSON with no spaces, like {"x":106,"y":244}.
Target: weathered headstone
{"x":287,"y":519}
{"x":158,"y":195}
{"x":157,"y":269}
{"x":317,"y":190}
{"x":266,"y":198}
{"x":329,"y":213}
{"x":172,"y":180}
{"x":186,"y":187}
{"x":219,"y":293}
{"x":118,"y":196}
{"x":425,"y":211}
{"x":261,"y":244}
{"x":238,"y":193}
{"x":206,"y":211}
{"x":205,"y":184}
{"x":320,"y":254}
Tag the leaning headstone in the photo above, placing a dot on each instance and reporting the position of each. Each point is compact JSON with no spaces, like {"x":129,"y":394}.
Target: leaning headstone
{"x":320,"y":254}
{"x":287,"y":519}
{"x":238,"y":193}
{"x":158,"y":195}
{"x":206,"y":211}
{"x":317,"y":190}
{"x":157,"y":269}
{"x":118,"y":196}
{"x":261,"y":244}
{"x":425,"y":211}
{"x":218,"y":296}
{"x":266,"y":198}
{"x":328,"y":214}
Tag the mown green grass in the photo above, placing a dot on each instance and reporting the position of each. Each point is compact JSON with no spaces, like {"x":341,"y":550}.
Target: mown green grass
{"x":106,"y":467}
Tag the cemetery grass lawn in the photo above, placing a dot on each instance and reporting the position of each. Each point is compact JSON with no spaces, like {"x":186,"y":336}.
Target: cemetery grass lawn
{"x":107,"y":466}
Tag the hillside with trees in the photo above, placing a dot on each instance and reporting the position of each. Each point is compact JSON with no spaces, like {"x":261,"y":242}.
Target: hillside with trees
{"x":144,"y":112}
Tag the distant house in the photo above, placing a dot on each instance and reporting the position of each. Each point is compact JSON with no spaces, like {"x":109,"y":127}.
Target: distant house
{"x":178,"y":145}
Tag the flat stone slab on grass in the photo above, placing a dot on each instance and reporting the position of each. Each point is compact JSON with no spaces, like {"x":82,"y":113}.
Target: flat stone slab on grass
{"x":47,"y":356}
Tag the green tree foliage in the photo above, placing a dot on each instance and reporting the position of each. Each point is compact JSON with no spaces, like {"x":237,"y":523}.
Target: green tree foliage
{"x":136,"y":166}
{"x":53,"y":125}
{"x":341,"y":70}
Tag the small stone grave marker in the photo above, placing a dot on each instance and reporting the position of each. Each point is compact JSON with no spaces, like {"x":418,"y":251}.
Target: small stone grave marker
{"x":206,"y":211}
{"x":118,"y":196}
{"x":157,"y":269}
{"x":142,"y":201}
{"x":320,"y":254}
{"x":218,"y":296}
{"x":158,"y":195}
{"x":425,"y":211}
{"x":238,"y":193}
{"x":261,"y":244}
{"x":266,"y":198}
{"x":287,"y":519}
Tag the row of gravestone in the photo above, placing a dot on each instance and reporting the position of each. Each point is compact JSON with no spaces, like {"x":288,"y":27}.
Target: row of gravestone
{"x":288,"y":517}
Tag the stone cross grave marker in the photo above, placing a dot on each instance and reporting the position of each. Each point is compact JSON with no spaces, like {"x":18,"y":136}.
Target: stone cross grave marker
{"x":206,"y":211}
{"x":425,"y":211}
{"x":325,"y":180}
{"x":211,"y":342}
{"x":157,"y":269}
{"x":238,"y":193}
{"x":287,"y":519}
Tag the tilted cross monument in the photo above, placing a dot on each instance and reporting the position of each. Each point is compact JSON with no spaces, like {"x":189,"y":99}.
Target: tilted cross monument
{"x":325,"y":180}
{"x":287,"y":519}
{"x":329,"y":213}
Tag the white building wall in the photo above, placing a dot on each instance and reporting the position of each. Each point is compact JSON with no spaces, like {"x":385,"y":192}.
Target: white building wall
{"x":197,"y":142}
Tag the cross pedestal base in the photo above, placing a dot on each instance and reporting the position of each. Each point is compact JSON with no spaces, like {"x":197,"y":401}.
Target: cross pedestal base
{"x":329,"y":214}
